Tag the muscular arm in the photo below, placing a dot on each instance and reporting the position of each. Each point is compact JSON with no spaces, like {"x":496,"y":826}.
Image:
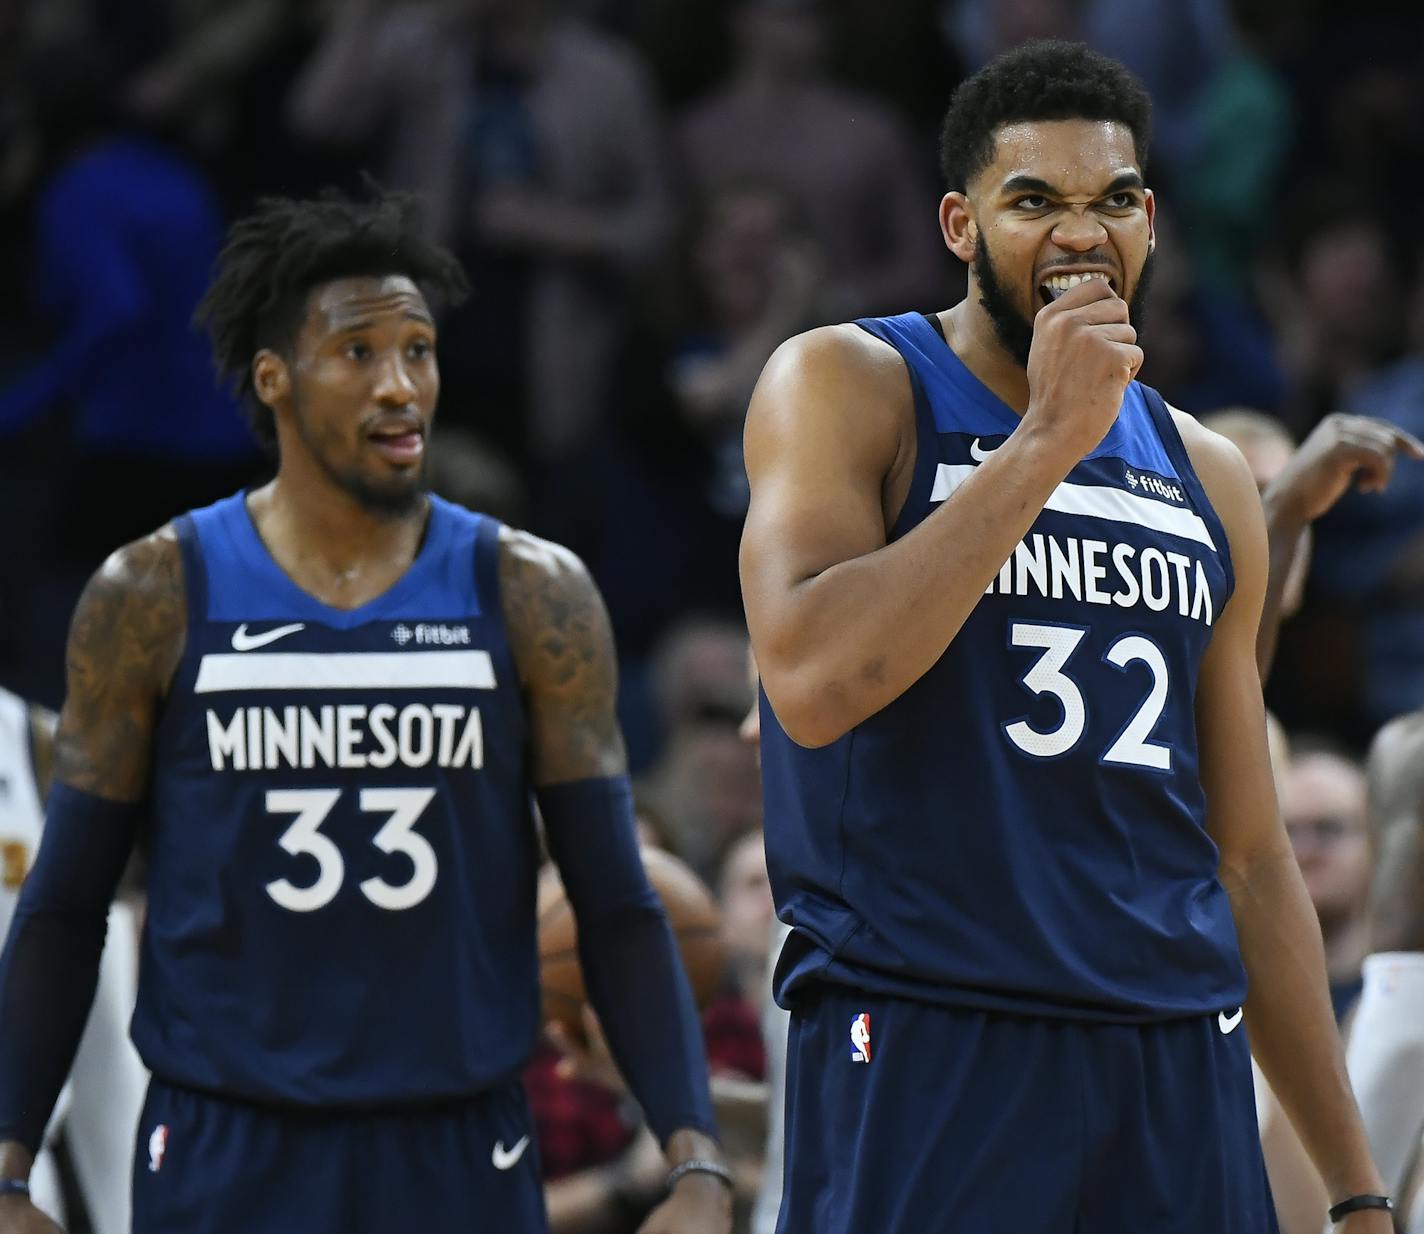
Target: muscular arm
{"x":1291,"y":1023}
{"x":563,"y":645}
{"x":1396,"y":772}
{"x":842,"y":622}
{"x":125,"y":640}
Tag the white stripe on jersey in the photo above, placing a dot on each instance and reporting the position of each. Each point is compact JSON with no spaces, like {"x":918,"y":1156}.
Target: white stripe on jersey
{"x":356,"y":670}
{"x":1096,"y":501}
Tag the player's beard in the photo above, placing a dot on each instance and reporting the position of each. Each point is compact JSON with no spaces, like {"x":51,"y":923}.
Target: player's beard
{"x":1014,"y":330}
{"x":404,"y":496}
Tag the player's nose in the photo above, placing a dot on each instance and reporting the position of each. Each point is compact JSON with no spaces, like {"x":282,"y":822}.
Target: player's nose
{"x":1079,"y":233}
{"x":394,"y":385}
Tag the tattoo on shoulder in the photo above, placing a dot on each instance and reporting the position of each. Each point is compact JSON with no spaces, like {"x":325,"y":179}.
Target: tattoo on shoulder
{"x":563,"y":646}
{"x":124,"y":644}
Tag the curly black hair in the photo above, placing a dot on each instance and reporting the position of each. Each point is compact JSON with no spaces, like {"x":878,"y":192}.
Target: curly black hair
{"x":1047,"y":79}
{"x":275,"y":256}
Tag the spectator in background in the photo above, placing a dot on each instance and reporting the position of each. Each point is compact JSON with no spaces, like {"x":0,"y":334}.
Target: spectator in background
{"x":536,"y":140}
{"x":1323,"y":805}
{"x":843,"y":160}
{"x":125,"y":234}
{"x":705,"y":784}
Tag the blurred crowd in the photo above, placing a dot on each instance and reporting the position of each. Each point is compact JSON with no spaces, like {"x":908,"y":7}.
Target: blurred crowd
{"x":649,"y":197}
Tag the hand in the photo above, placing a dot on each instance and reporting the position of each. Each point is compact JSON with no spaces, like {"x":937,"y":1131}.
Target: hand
{"x":699,"y":1204}
{"x":1084,"y":354}
{"x":589,"y":1060}
{"x":19,"y":1216}
{"x":1342,"y":450}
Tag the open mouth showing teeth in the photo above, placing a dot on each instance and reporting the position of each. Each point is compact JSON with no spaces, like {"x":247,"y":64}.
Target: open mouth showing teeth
{"x":1052,"y":288}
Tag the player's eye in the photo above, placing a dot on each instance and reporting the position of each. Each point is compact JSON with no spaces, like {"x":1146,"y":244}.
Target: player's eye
{"x":1034,"y":201}
{"x":1120,"y":201}
{"x":358,"y":351}
{"x":421,"y":349}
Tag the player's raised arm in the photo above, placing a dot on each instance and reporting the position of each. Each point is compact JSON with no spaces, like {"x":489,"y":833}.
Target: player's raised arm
{"x":842,"y":619}
{"x":1292,"y":1025}
{"x":563,"y":645}
{"x":124,"y":643}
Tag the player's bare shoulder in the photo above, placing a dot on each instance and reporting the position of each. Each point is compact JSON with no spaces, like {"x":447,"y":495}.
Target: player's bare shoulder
{"x":125,"y":643}
{"x":837,"y":379}
{"x":562,"y":640}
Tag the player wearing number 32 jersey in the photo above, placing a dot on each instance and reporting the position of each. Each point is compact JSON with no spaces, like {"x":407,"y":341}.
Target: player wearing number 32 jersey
{"x":326,"y":708}
{"x":1019,"y":812}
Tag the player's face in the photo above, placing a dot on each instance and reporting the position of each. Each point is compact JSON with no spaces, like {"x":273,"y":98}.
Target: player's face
{"x":1060,"y":197}
{"x":364,"y":387}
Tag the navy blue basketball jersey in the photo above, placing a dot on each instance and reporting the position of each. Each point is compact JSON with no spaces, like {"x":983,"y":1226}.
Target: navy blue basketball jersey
{"x":342,"y":864}
{"x":1023,"y":829}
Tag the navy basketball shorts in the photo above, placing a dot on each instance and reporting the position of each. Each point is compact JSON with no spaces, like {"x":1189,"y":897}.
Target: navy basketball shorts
{"x":908,"y":1118}
{"x":210,"y":1166}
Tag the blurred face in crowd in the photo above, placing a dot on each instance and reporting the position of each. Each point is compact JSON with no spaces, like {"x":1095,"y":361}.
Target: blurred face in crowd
{"x":738,"y":253}
{"x":785,"y":42}
{"x":358,"y":392}
{"x":1323,"y":803}
{"x":747,"y":908}
{"x":1059,"y":197}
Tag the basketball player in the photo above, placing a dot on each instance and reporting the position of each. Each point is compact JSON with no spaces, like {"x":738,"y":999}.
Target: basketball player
{"x":99,"y":1108}
{"x":1019,"y":804}
{"x":327,"y":705}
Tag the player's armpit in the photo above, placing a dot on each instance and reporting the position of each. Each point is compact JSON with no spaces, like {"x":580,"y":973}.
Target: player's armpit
{"x":559,"y":631}
{"x":125,"y":643}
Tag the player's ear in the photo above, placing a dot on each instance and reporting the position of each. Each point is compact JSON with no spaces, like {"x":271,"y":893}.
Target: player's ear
{"x":957,"y":225}
{"x":271,"y":378}
{"x":1150,"y":203}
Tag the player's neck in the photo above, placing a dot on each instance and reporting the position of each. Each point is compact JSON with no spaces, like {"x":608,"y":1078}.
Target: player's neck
{"x":331,"y":545}
{"x":972,"y":337}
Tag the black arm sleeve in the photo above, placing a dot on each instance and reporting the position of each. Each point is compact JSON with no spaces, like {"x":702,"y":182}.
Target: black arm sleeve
{"x":631,"y":967}
{"x":50,"y":965}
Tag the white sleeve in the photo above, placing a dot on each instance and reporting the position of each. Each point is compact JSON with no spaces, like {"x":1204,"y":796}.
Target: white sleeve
{"x":1385,"y":1056}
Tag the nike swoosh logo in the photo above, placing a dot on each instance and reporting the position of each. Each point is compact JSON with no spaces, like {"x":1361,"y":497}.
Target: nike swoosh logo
{"x":507,"y":1158}
{"x":977,"y":454}
{"x":243,"y":641}
{"x":1227,"y":1022}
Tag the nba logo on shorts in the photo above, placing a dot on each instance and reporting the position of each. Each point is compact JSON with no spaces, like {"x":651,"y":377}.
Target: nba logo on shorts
{"x":860,"y":1038}
{"x":157,"y":1146}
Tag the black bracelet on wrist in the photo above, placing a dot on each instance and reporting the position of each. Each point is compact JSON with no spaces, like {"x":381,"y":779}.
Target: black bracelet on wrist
{"x":14,"y":1186}
{"x":1357,"y":1202}
{"x":700,"y":1165}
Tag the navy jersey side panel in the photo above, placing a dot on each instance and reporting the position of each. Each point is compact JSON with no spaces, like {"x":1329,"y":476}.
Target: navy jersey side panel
{"x":341,"y":871}
{"x":1024,"y":828}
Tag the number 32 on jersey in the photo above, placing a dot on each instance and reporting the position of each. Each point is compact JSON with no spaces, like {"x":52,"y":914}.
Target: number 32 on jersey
{"x":1050,"y":674}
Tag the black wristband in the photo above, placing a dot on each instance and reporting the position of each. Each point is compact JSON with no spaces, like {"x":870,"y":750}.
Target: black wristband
{"x":1358,"y":1202}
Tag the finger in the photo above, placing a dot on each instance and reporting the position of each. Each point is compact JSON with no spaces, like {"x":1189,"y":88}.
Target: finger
{"x":1104,"y":308}
{"x":1409,"y":444}
{"x":1374,"y":472}
{"x":1086,"y":292}
{"x":1117,"y":332}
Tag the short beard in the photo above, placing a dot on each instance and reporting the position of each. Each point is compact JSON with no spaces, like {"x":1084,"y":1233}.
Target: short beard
{"x":391,"y":503}
{"x":1014,"y":331}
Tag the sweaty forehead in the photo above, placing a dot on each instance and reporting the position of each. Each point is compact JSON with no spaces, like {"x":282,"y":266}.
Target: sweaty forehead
{"x":342,"y":303}
{"x":1075,"y":156}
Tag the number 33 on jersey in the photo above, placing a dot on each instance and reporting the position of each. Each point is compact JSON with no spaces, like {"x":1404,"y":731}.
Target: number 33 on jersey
{"x":342,"y":814}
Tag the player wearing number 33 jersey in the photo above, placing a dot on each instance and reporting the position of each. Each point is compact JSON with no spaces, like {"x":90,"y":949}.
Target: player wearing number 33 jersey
{"x":334,"y":711}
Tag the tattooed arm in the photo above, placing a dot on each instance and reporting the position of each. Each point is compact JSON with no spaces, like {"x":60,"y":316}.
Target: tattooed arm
{"x":563,"y":645}
{"x":124,"y":644}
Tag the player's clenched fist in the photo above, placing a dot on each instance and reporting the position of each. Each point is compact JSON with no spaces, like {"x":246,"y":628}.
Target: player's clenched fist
{"x":1084,"y":354}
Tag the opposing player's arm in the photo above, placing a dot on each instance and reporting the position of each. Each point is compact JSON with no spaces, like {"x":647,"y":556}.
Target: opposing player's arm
{"x":1396,"y":775}
{"x":124,"y":643}
{"x":843,"y":622}
{"x":563,"y":647}
{"x":43,"y":723}
{"x":1291,"y":1022}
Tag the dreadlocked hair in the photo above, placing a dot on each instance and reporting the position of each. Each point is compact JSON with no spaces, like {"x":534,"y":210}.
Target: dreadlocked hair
{"x":276,"y":255}
{"x":1047,"y":79}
